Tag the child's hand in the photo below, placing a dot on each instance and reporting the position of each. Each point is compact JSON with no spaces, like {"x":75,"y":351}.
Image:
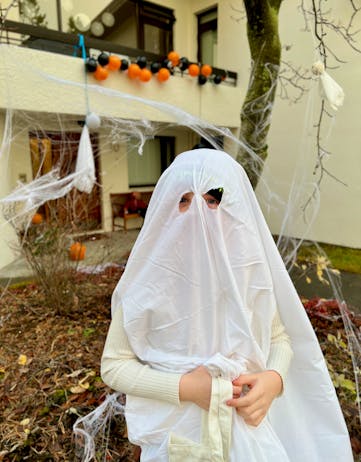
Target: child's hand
{"x":263,"y":387}
{"x":196,"y":386}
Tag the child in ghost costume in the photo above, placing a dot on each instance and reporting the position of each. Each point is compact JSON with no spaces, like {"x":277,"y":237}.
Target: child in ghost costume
{"x":209,"y":340}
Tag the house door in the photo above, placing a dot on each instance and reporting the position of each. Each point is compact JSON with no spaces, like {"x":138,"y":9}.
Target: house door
{"x":80,"y":211}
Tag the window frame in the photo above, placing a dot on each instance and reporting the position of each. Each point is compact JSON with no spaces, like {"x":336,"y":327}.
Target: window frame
{"x":163,"y":18}
{"x":205,"y":27}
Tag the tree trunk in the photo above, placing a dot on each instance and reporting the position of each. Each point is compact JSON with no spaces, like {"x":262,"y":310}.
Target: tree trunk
{"x":265,"y":48}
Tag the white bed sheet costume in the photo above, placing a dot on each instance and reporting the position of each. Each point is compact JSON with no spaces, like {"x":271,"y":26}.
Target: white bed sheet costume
{"x":201,"y":287}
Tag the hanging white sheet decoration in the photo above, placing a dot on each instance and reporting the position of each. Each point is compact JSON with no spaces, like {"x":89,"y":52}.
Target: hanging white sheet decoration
{"x":85,"y":167}
{"x":202,"y":287}
{"x":330,"y":89}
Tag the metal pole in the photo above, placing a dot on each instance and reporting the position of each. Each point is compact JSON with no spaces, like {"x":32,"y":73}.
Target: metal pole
{"x":58,"y":11}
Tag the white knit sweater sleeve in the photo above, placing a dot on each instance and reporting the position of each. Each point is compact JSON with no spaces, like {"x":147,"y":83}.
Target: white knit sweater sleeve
{"x":123,"y":371}
{"x":281,"y":352}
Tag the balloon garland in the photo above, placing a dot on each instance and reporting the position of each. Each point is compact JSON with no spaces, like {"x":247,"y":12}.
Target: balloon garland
{"x":141,"y":70}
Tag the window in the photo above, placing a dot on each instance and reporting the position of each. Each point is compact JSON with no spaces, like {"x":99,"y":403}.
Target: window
{"x":155,"y":28}
{"x":207,"y":37}
{"x":145,"y":169}
{"x":143,"y":25}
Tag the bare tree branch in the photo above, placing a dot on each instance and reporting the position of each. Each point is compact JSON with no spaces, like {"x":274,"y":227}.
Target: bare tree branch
{"x":322,"y":25}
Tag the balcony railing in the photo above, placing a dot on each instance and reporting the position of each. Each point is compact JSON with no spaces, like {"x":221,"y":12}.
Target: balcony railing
{"x":41,"y":38}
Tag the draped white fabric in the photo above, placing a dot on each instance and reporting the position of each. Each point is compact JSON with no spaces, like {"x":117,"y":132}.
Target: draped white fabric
{"x":201,"y":287}
{"x":85,"y":166}
{"x":329,"y":88}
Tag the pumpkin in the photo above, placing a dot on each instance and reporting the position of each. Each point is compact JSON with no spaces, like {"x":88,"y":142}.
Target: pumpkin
{"x":193,"y":70}
{"x":77,"y":251}
{"x":37,"y":219}
{"x":163,"y":74}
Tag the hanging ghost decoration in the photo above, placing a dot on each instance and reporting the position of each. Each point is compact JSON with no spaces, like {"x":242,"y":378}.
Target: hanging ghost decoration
{"x":85,"y":168}
{"x":330,"y":90}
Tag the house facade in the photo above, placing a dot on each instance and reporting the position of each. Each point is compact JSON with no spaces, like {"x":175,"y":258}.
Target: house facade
{"x":43,"y":85}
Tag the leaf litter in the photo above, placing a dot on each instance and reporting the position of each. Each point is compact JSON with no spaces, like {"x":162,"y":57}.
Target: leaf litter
{"x":50,"y":370}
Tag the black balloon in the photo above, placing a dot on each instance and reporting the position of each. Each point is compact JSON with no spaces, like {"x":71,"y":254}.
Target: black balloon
{"x":91,"y":64}
{"x":202,"y":79}
{"x":154,"y":67}
{"x":103,"y":59}
{"x":142,"y":62}
{"x":217,"y":79}
{"x":167,"y":63}
{"x":183,"y":64}
{"x":124,"y":64}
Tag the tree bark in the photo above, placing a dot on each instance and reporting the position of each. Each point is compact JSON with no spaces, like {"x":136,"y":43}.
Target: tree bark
{"x":265,"y":48}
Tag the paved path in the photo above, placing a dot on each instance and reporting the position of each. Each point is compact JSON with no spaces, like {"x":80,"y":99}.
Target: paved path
{"x":350,"y":286}
{"x":112,"y":247}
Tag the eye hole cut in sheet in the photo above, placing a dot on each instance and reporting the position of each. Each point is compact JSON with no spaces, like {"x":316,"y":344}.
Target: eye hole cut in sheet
{"x":212,"y":198}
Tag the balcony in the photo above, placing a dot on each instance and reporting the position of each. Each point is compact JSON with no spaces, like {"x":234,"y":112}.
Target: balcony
{"x":218,"y":104}
{"x":41,"y":38}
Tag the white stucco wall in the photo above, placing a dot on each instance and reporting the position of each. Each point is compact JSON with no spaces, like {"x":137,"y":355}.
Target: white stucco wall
{"x":58,"y":82}
{"x":7,"y":235}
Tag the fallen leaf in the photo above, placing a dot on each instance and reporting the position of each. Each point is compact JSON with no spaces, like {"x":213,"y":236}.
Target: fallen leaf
{"x":78,"y":389}
{"x":22,"y":360}
{"x":75,"y":373}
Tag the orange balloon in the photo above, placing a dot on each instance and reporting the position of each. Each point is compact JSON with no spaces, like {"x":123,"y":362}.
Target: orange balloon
{"x":163,"y":74}
{"x":114,"y":63}
{"x":206,"y":70}
{"x":145,"y":75}
{"x":134,"y":71}
{"x":173,"y":56}
{"x":101,"y":73}
{"x":193,"y":70}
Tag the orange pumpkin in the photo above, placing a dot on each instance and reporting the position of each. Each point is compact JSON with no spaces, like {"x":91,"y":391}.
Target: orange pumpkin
{"x":163,"y":74}
{"x":77,"y":251}
{"x":101,"y":73}
{"x":193,"y":70}
{"x":114,"y":63}
{"x":206,"y":70}
{"x":37,"y":219}
{"x":173,"y":56}
{"x":145,"y":75}
{"x":133,"y":71}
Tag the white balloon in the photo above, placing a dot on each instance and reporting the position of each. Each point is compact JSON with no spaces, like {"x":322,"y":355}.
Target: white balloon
{"x":108,"y":19}
{"x":92,"y":121}
{"x":97,"y":28}
{"x":82,"y":22}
